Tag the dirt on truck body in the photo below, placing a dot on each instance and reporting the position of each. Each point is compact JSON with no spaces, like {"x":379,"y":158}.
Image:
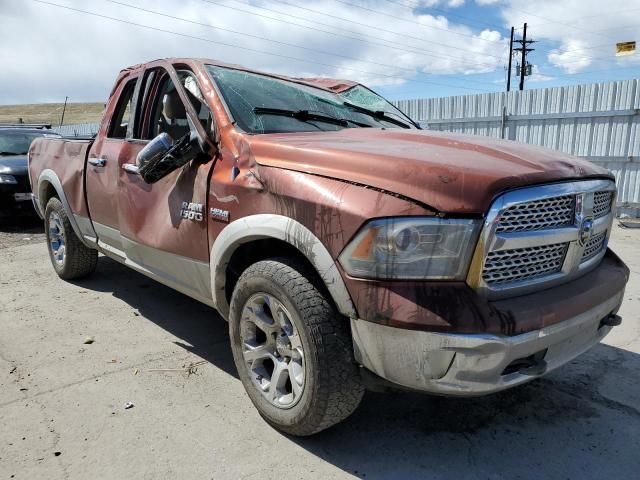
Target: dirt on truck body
{"x":346,"y":247}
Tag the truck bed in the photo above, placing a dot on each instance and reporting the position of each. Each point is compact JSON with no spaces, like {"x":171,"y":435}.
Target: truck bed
{"x":67,"y":157}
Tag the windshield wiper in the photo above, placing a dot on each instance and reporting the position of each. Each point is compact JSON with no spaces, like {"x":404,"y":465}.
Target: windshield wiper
{"x":302,"y":115}
{"x":12,"y":153}
{"x":377,"y":114}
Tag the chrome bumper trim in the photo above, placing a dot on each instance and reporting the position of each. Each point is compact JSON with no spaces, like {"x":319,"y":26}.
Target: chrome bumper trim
{"x":473,"y":364}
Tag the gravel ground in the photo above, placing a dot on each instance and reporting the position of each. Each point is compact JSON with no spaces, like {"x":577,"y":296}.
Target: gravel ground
{"x":24,"y":231}
{"x":63,"y":415}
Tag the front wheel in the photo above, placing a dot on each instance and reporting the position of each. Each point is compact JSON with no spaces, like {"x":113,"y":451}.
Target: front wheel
{"x":293,"y":351}
{"x":70,"y":258}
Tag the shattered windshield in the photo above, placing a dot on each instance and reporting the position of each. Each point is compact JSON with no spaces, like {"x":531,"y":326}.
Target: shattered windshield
{"x":263,"y":104}
{"x":363,"y":97}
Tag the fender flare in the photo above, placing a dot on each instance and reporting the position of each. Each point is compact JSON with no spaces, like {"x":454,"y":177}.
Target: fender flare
{"x":50,"y":176}
{"x":261,"y":226}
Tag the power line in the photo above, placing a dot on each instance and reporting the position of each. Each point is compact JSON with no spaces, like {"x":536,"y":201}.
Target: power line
{"x":558,"y":22}
{"x":378,"y":12}
{"x":636,"y":26}
{"x":607,"y":14}
{"x":595,"y":71}
{"x":495,"y":26}
{"x":184,"y":35}
{"x":208,"y":25}
{"x":419,"y":52}
{"x":355,"y":22}
{"x":448,"y":13}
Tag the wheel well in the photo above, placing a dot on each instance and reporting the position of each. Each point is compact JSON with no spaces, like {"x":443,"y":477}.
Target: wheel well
{"x":251,"y":252}
{"x":47,"y":191}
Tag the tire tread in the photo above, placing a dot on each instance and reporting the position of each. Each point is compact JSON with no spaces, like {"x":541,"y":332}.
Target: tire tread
{"x":340,"y":388}
{"x":80,"y":260}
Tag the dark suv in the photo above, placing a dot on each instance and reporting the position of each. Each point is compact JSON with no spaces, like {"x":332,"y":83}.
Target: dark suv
{"x":15,"y":191}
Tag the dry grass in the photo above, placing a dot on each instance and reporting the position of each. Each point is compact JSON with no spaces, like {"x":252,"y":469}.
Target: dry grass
{"x":51,"y":112}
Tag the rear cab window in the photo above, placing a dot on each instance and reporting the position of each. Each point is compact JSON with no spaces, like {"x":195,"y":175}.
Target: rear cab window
{"x":121,"y":118}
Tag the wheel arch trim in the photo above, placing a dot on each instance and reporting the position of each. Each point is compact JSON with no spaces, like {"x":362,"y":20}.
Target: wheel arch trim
{"x":50,"y":177}
{"x":279,"y":227}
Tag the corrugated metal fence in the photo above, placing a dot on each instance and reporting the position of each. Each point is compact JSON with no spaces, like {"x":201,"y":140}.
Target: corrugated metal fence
{"x":599,"y":122}
{"x":77,"y":129}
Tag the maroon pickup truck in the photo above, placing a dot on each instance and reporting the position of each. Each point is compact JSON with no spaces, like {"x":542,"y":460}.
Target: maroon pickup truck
{"x":346,"y":247}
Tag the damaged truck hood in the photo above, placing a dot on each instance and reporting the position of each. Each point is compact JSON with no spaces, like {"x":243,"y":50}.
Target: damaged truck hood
{"x":451,"y":173}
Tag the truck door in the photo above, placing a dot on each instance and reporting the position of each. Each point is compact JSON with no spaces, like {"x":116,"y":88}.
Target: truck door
{"x":103,"y":170}
{"x":163,"y":225}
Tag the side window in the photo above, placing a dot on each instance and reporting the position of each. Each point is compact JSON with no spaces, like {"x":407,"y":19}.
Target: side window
{"x":122,"y":114}
{"x":146,"y":88}
{"x":166,"y":111}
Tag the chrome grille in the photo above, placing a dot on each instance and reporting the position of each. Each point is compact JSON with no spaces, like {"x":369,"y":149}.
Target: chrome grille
{"x":505,"y":266}
{"x":594,"y":246}
{"x":602,"y":203}
{"x":541,"y":236}
{"x":538,"y":214}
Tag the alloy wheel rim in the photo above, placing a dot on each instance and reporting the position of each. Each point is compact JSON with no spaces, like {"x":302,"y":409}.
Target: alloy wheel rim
{"x":57,"y":242}
{"x":272,"y":350}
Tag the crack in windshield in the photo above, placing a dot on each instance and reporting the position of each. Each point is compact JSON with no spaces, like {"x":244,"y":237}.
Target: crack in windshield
{"x":260,"y":103}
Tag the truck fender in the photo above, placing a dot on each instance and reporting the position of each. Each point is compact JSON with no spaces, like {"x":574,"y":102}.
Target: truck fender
{"x":261,"y":226}
{"x":48,"y":176}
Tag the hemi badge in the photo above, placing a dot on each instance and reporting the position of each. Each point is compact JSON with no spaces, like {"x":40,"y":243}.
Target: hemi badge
{"x":219,"y":214}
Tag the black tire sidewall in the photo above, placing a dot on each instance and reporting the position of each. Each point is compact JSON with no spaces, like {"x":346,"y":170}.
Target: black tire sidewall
{"x":279,"y":416}
{"x":54,"y":205}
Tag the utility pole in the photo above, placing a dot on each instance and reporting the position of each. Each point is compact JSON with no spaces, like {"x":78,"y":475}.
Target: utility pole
{"x":525,"y":68}
{"x":510,"y":58}
{"x":523,"y":63}
{"x":64,"y":109}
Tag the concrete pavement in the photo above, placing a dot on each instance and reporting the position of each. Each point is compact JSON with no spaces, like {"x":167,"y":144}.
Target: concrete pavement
{"x":62,"y":401}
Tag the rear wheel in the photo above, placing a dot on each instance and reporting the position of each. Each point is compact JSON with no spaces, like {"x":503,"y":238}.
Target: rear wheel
{"x":70,"y":258}
{"x":293,"y":351}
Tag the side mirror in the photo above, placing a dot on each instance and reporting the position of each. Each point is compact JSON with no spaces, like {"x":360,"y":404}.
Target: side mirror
{"x":154,"y":150}
{"x":162,"y":156}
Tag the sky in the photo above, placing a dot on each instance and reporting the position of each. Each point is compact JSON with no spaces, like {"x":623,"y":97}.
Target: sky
{"x":400,"y":48}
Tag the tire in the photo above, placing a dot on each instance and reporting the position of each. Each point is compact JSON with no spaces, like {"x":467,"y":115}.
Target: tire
{"x":74,"y":260}
{"x":331,"y":387}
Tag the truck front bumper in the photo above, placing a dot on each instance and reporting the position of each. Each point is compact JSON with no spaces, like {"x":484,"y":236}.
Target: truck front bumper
{"x":477,"y":364}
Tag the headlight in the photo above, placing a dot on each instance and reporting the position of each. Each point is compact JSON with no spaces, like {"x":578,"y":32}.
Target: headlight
{"x":4,"y":179}
{"x":412,"y":248}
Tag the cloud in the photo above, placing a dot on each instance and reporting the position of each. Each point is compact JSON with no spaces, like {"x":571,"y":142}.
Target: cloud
{"x":487,"y":2}
{"x":536,"y":76}
{"x":573,"y":56}
{"x":455,"y":3}
{"x":48,"y":52}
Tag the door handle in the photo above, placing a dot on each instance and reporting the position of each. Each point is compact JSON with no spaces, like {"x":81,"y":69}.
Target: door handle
{"x":97,"y":162}
{"x":130,"y":168}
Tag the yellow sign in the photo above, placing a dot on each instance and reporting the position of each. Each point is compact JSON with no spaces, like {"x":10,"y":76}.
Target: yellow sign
{"x":625,"y":48}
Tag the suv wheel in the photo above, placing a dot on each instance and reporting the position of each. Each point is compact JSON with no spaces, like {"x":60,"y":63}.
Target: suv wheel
{"x":70,"y":258}
{"x":293,"y":351}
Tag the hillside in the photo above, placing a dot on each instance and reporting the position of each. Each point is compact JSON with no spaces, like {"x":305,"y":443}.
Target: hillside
{"x":51,"y":112}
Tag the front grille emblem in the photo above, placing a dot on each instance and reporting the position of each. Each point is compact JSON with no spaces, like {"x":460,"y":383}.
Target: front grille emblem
{"x":585,"y":231}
